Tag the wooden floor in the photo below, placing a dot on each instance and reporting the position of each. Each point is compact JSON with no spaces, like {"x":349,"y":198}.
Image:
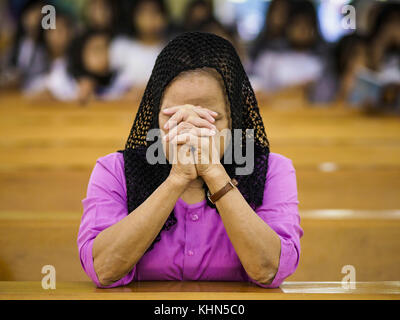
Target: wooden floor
{"x":347,"y":165}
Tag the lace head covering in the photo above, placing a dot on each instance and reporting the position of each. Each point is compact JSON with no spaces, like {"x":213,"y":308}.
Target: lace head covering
{"x":189,"y":51}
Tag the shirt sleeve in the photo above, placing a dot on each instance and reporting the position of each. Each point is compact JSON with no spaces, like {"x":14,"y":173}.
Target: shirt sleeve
{"x":280,"y":211}
{"x":104,"y":205}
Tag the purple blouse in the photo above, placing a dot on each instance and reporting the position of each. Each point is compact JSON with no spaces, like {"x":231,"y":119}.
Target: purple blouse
{"x":197,"y":247}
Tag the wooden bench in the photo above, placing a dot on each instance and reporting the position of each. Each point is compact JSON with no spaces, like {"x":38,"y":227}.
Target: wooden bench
{"x":343,"y":160}
{"x":367,"y":240}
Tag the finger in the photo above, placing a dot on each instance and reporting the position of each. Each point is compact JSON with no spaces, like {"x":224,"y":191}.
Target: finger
{"x":180,"y":128}
{"x":172,"y":110}
{"x":201,"y":123}
{"x":205,"y":113}
{"x":182,"y":138}
{"x":184,"y":127}
{"x":202,"y":132}
{"x":202,"y":112}
{"x":175,"y":119}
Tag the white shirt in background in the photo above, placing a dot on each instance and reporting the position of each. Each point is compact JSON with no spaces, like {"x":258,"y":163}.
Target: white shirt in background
{"x":275,"y":70}
{"x":57,"y":81}
{"x":133,"y":60}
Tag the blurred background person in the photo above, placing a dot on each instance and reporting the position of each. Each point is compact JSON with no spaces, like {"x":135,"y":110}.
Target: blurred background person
{"x":55,"y":82}
{"x":350,"y":58}
{"x":272,"y":36}
{"x":133,"y":56}
{"x":7,"y":25}
{"x":199,"y":16}
{"x":197,"y":12}
{"x":89,"y":66}
{"x":28,"y":57}
{"x":377,"y":89}
{"x":101,"y":15}
{"x":385,"y":38}
{"x":347,"y":59}
{"x":300,"y":60}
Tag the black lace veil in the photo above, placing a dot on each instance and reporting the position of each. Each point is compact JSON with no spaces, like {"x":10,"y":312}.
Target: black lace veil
{"x":189,"y":51}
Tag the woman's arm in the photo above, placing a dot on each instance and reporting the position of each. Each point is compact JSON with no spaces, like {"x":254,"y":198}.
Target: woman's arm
{"x":118,"y":248}
{"x":256,"y":244}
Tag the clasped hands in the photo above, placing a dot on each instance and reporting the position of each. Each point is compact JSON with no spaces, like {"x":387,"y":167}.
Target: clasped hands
{"x":192,"y":136}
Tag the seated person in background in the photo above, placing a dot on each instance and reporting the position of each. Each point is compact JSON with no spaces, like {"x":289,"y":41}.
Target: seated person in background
{"x":56,"y":82}
{"x":365,"y":71}
{"x":147,"y":215}
{"x":384,"y":53}
{"x":300,"y":61}
{"x":348,"y":59}
{"x":89,"y":67}
{"x":133,"y":57}
{"x":100,"y":15}
{"x":212,"y":25}
{"x":384,"y":39}
{"x":196,"y":13}
{"x":28,"y":57}
{"x":273,"y":34}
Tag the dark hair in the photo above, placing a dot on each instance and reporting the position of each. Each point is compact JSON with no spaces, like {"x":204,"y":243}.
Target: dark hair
{"x":135,"y":7}
{"x":187,"y":24}
{"x":115,"y":16}
{"x":76,"y":66}
{"x":63,"y":15}
{"x":306,"y":8}
{"x":265,"y":39}
{"x":384,"y":12}
{"x":344,"y":49}
{"x":20,"y":32}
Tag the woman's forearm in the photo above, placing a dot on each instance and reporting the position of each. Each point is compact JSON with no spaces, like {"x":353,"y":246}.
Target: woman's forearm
{"x":256,"y":244}
{"x":118,"y":248}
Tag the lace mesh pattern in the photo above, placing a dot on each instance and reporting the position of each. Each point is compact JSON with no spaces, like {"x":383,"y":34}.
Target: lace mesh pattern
{"x":189,"y":51}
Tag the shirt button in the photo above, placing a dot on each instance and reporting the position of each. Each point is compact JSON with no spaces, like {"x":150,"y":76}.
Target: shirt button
{"x":190,"y":253}
{"x":195,"y":217}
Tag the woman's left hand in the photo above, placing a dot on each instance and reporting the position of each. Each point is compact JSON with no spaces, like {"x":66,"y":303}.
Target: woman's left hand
{"x":187,"y":129}
{"x":203,"y":146}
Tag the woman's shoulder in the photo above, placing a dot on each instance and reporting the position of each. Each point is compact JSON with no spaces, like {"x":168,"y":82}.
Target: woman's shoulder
{"x":112,"y":158}
{"x":109,"y":170}
{"x":113,"y":163}
{"x":278,"y":158}
{"x":278,"y":162}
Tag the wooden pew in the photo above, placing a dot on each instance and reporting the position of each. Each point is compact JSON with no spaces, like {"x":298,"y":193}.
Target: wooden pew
{"x":368,"y":240}
{"x":59,"y":190}
{"x":49,"y":149}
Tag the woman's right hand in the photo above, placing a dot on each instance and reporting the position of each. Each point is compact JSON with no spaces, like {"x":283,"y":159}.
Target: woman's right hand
{"x":188,"y":120}
{"x":183,"y":169}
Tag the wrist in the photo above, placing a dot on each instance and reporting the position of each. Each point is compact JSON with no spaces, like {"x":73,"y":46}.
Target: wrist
{"x":216,"y":177}
{"x":178,"y":182}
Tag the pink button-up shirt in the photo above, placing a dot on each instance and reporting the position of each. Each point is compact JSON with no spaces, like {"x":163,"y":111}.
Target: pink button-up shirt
{"x":197,"y":247}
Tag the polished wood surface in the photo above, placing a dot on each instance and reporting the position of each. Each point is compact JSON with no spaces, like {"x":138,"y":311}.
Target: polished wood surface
{"x":343,"y":158}
{"x":332,"y":239}
{"x":171,"y":290}
{"x":347,"y":166}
